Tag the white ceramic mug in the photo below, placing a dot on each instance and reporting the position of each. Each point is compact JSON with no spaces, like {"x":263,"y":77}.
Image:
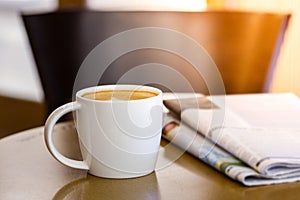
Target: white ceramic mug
{"x":118,"y":138}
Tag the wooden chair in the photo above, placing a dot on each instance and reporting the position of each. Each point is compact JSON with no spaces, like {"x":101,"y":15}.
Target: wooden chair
{"x":244,"y":46}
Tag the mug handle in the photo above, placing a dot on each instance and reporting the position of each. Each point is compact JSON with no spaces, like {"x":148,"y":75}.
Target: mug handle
{"x":48,"y":132}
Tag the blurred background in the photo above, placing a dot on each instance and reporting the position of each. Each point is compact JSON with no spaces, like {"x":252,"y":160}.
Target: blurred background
{"x":21,"y":93}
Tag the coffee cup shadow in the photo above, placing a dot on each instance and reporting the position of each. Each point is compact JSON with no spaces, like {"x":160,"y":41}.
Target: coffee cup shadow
{"x":92,"y":187}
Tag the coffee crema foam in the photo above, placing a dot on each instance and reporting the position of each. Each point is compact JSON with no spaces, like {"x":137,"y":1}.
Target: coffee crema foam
{"x":120,"y":95}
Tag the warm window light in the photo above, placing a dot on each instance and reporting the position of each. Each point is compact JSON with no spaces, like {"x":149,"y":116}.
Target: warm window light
{"x":216,"y":3}
{"x":184,"y":5}
{"x":172,"y":5}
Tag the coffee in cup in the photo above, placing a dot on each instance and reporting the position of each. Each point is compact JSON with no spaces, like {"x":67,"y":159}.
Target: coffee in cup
{"x":119,"y":130}
{"x":120,"y":95}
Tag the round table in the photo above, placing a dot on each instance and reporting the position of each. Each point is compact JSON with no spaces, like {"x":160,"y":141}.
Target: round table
{"x":28,"y":171}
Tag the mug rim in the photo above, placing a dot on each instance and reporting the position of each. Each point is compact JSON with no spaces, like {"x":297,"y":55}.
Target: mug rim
{"x":118,"y":87}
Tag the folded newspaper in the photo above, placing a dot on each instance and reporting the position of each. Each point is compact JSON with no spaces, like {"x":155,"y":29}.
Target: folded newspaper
{"x":261,"y":149}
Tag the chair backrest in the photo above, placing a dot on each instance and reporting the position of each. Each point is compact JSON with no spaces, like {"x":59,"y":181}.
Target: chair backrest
{"x":244,"y":46}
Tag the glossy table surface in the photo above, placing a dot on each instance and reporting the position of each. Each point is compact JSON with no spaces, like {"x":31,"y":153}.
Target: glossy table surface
{"x":27,"y":171}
